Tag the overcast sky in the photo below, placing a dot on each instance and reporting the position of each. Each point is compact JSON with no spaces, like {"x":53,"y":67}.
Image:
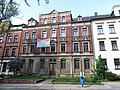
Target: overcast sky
{"x":77,"y":7}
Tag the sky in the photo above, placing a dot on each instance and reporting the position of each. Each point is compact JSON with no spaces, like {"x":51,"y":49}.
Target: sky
{"x":77,"y":7}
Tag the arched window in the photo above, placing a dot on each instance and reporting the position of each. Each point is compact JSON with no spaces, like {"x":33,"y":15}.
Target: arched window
{"x":45,"y":21}
{"x":63,"y":19}
{"x":53,"y":20}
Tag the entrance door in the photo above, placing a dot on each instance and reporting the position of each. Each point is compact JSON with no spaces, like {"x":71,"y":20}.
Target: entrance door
{"x":52,"y":69}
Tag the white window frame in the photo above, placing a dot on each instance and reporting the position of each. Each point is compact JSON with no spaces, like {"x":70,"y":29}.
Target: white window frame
{"x":26,"y":36}
{"x":34,"y":37}
{"x":85,"y":32}
{"x":30,"y":47}
{"x":45,"y":32}
{"x":61,"y":32}
{"x":63,"y":19}
{"x":65,"y":47}
{"x":53,"y":33}
{"x":77,"y":32}
{"x":45,"y":21}
{"x":78,"y":47}
{"x":111,"y":29}
{"x":22,"y":48}
{"x":88,"y":47}
{"x":100,"y":29}
{"x":55,"y":46}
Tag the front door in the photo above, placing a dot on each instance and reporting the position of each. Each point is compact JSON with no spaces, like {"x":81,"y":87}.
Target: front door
{"x":52,"y":69}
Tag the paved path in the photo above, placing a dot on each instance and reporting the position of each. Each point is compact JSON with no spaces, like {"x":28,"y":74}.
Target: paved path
{"x":46,"y":85}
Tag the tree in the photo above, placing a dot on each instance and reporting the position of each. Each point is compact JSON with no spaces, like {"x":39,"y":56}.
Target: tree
{"x":99,"y":69}
{"x":46,"y":1}
{"x":15,"y":66}
{"x":8,"y":9}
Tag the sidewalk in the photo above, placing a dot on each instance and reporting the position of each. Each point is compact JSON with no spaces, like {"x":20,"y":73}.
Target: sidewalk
{"x":47,"y":85}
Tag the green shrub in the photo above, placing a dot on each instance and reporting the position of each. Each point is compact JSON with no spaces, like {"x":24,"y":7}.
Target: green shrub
{"x":111,"y":76}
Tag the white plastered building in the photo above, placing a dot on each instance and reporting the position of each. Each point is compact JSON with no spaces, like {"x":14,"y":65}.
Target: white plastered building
{"x":106,"y":38}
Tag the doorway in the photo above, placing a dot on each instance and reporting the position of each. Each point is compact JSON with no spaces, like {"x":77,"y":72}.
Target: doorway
{"x":52,"y":69}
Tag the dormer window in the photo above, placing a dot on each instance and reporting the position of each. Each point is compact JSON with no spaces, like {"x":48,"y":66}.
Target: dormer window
{"x":53,"y":20}
{"x":31,"y":23}
{"x":63,"y":19}
{"x":119,"y":12}
{"x":45,"y":21}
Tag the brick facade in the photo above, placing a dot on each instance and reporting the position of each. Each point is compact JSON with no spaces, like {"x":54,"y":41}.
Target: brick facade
{"x":76,"y":39}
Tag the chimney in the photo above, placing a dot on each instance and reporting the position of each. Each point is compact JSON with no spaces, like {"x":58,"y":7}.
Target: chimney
{"x":95,"y":14}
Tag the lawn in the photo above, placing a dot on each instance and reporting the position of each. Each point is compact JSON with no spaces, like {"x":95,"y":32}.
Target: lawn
{"x":24,"y":77}
{"x":88,"y":80}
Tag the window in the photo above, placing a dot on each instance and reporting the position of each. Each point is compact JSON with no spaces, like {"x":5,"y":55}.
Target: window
{"x":7,"y":52}
{"x":114,"y":45}
{"x":33,"y":35}
{"x":24,"y":50}
{"x":53,"y":33}
{"x":53,"y":20}
{"x":9,"y":39}
{"x":63,"y":18}
{"x":4,"y":66}
{"x":101,"y":45}
{"x":84,"y":32}
{"x":42,"y":63}
{"x":75,"y":32}
{"x":86,"y":64}
{"x":26,"y":35}
{"x":63,"y":64}
{"x":85,"y":45}
{"x":45,"y":21}
{"x":52,"y":48}
{"x":105,"y":63}
{"x":119,"y":12}
{"x":32,"y":48}
{"x":111,"y":29}
{"x":13,"y":52}
{"x":117,"y":63}
{"x":44,"y":34}
{"x":76,"y":63}
{"x":100,"y":29}
{"x":31,"y":64}
{"x":0,"y":39}
{"x":63,"y":33}
{"x":42,"y":49}
{"x":62,"y":47}
{"x":76,"y":49}
{"x":16,"y":38}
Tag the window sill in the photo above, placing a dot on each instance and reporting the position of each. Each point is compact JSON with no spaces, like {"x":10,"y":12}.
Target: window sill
{"x":112,"y":33}
{"x":115,"y":50}
{"x":100,"y":34}
{"x":117,"y":68}
{"x":102,"y":50}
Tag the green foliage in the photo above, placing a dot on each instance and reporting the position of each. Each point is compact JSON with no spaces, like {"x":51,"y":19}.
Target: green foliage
{"x":8,"y":9}
{"x":88,"y":80}
{"x":46,"y":1}
{"x":100,"y":69}
{"x":24,"y":77}
{"x":15,"y":66}
{"x":65,"y":79}
{"x":111,"y":77}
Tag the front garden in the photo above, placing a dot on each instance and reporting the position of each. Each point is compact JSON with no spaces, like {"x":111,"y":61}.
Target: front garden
{"x":21,"y":79}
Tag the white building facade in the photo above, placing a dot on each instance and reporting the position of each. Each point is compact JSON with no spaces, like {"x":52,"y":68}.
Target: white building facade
{"x":106,"y":38}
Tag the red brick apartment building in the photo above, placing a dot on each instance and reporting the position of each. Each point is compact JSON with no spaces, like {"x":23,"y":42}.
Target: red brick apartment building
{"x":71,"y":47}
